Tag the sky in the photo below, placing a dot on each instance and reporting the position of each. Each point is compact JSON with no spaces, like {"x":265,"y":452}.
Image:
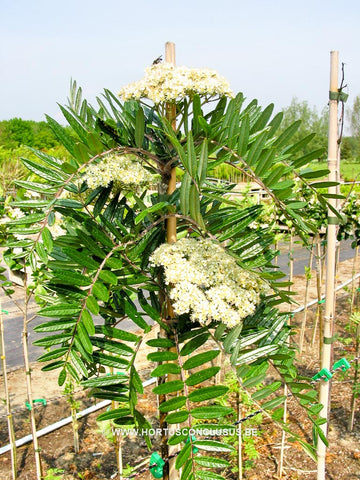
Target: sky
{"x":272,"y":50}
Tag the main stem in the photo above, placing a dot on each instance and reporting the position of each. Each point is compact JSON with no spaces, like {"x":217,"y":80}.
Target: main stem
{"x":324,"y":396}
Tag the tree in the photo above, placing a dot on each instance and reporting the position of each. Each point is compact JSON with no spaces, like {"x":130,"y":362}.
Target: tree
{"x":355,"y":123}
{"x":311,"y":124}
{"x":190,"y":257}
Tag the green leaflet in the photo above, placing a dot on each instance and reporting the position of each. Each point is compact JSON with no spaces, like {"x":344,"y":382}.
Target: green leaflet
{"x":208,"y":475}
{"x":104,"y":381}
{"x":185,"y":193}
{"x":110,"y":360}
{"x":88,"y":322}
{"x":108,"y":277}
{"x":213,"y":446}
{"x":211,"y":462}
{"x":200,"y":359}
{"x":57,"y":353}
{"x":177,"y":417}
{"x":52,"y":340}
{"x":92,"y":304}
{"x":115,"y":413}
{"x":212,"y":411}
{"x":207,"y":393}
{"x":194,"y":344}
{"x":113,"y":332}
{"x":160,"y":343}
{"x":59,"y":310}
{"x":100,"y":291}
{"x":169,"y":387}
{"x":166,"y":368}
{"x":139,"y":127}
{"x":183,"y":455}
{"x":172,"y":404}
{"x":162,"y":356}
{"x":201,"y":376}
{"x":152,"y":209}
{"x":194,"y":206}
{"x":273,"y":403}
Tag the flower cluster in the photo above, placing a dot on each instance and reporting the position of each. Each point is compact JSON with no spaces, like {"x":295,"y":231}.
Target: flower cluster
{"x":166,"y":83}
{"x":206,"y":281}
{"x":124,"y":171}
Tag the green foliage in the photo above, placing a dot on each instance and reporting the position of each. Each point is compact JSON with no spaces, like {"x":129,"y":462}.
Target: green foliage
{"x":89,"y":252}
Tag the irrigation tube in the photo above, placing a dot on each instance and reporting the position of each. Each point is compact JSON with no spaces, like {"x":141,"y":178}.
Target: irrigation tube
{"x":314,"y":302}
{"x":65,"y":421}
{"x":105,"y":403}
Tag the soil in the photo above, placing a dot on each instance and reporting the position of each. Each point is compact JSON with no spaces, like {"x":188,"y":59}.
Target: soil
{"x":97,"y":457}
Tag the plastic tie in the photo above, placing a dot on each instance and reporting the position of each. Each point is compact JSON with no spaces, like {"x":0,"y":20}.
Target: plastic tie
{"x":324,"y":374}
{"x":37,"y":400}
{"x":157,"y":470}
{"x":343,"y":364}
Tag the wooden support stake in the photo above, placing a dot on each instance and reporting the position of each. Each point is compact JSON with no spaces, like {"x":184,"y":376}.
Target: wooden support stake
{"x":170,"y":472}
{"x":10,"y":419}
{"x":327,"y":334}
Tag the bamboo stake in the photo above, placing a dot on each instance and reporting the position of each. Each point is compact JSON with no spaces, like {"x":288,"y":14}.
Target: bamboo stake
{"x":319,"y":275}
{"x":283,"y":436}
{"x":356,"y":380}
{"x":25,"y":334}
{"x":327,"y":334}
{"x":10,"y":420}
{"x":240,"y":412}
{"x":308,"y":279}
{"x":170,"y":472}
{"x":353,"y":281}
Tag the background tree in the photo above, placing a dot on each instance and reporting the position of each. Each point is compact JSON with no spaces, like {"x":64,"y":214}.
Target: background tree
{"x":312,"y":123}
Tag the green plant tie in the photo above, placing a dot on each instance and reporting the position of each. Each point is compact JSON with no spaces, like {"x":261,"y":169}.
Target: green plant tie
{"x":37,"y":400}
{"x":343,"y":364}
{"x":5,"y":311}
{"x":330,"y":340}
{"x":321,"y":301}
{"x":324,"y":374}
{"x":157,"y":470}
{"x":338,"y":96}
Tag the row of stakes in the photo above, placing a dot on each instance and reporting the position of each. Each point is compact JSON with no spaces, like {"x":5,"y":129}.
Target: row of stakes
{"x":157,"y":463}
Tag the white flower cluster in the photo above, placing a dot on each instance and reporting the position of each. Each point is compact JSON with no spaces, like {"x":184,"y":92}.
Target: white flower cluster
{"x":206,"y":281}
{"x":165,"y":82}
{"x":126,"y":172}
